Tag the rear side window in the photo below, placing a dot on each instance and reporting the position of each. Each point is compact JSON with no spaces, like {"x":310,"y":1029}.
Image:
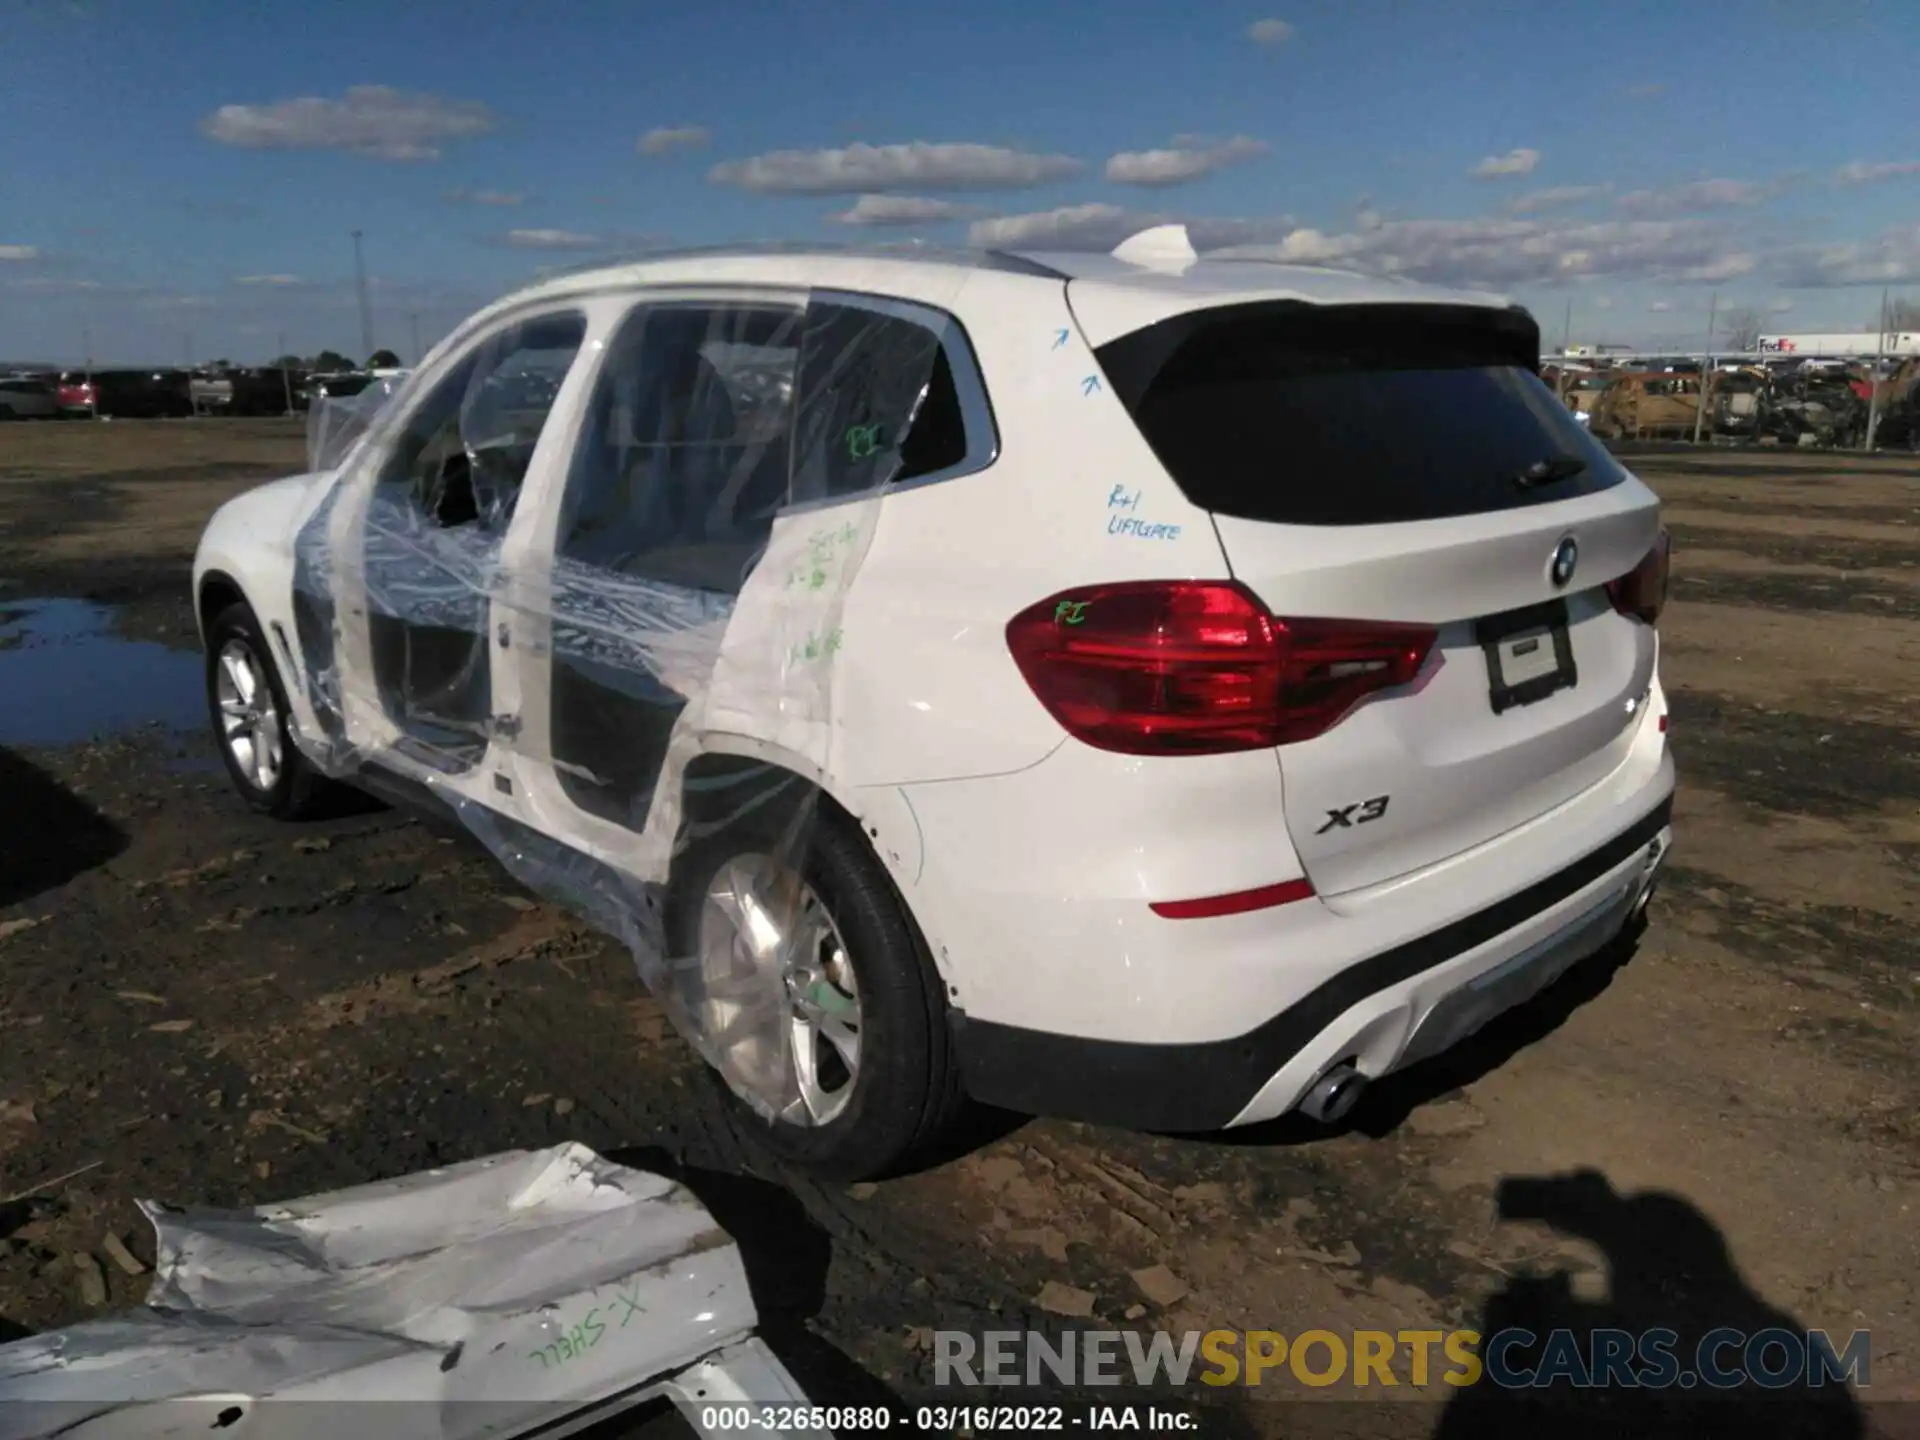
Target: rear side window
{"x":887,"y":393}
{"x":1353,"y":415}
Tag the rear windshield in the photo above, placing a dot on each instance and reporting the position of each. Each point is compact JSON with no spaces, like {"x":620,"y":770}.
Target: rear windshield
{"x":1353,"y":415}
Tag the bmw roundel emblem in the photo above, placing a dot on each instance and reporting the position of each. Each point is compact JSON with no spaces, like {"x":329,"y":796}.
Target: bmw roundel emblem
{"x":1565,"y":556}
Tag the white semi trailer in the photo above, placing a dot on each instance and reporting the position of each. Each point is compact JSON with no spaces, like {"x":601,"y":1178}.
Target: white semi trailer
{"x":1866,"y":342}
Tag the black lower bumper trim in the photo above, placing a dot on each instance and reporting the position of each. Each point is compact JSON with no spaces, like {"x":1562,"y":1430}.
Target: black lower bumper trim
{"x":1202,"y":1085}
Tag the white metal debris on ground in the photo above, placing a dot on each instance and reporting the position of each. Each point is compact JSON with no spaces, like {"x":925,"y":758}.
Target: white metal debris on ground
{"x":539,"y":1289}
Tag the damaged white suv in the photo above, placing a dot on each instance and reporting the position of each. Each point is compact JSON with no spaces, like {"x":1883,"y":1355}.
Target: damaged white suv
{"x":1159,"y":690}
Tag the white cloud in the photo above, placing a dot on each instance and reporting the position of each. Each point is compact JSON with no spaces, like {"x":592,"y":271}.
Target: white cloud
{"x":1659,"y":307}
{"x":375,"y":120}
{"x":1270,"y":32}
{"x":553,"y":240}
{"x":19,"y":252}
{"x":1863,"y":172}
{"x":1780,"y":306}
{"x":268,"y":280}
{"x":1603,"y":302}
{"x":51,"y":285}
{"x":485,"y":197}
{"x":1101,"y":227}
{"x":1070,"y":226}
{"x":1891,"y":259}
{"x":1698,"y":195}
{"x":899,"y":210}
{"x":1514,"y":162}
{"x":1646,"y":91}
{"x":1553,"y":197}
{"x":875,"y":169}
{"x":667,"y":139}
{"x":1503,"y":252}
{"x":1183,"y":162}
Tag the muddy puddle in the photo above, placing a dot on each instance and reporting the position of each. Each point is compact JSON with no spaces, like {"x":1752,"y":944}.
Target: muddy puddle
{"x":67,"y":677}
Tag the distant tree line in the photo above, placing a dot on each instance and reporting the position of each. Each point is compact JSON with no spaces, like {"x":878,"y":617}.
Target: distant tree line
{"x":332,"y":360}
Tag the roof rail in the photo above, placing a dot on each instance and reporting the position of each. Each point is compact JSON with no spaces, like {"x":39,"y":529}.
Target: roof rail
{"x":1001,"y":260}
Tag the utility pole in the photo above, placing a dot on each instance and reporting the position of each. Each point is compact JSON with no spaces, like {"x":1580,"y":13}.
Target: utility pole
{"x":286,"y":380}
{"x":366,"y":311}
{"x":1879,"y":364}
{"x":1566,"y":351}
{"x":1706,"y":368}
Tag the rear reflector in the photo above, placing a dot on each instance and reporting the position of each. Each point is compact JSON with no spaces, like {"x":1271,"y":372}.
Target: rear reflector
{"x":1642,"y":591}
{"x":1238,"y":903}
{"x":1663,"y":724}
{"x":1189,"y":667}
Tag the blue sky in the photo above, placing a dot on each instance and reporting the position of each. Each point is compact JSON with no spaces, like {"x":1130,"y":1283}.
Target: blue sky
{"x":180,"y":178}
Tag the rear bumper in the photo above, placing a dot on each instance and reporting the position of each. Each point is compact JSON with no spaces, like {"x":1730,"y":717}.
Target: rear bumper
{"x":1401,"y":1004}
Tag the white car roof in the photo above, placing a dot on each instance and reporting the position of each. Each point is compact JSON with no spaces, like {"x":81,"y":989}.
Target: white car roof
{"x":1135,"y":286}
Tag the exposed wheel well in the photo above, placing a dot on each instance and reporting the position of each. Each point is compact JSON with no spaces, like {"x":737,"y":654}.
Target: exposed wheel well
{"x":217,"y":592}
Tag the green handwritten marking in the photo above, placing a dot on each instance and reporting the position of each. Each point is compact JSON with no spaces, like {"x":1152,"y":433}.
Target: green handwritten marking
{"x":816,"y":646}
{"x":862,"y":441}
{"x":572,"y":1344}
{"x":1071,"y":612}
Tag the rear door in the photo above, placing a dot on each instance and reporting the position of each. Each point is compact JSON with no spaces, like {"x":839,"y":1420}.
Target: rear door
{"x":1372,"y":463}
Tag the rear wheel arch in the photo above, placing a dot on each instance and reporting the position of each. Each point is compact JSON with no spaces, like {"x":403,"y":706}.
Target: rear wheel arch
{"x":737,"y":804}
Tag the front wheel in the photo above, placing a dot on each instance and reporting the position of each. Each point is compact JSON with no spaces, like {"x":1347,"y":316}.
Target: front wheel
{"x":815,"y":996}
{"x":248,"y":708}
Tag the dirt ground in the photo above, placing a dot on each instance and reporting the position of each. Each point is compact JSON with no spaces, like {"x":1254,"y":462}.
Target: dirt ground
{"x":204,"y":1006}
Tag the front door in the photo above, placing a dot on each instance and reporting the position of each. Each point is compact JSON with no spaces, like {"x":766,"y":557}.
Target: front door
{"x":417,"y":543}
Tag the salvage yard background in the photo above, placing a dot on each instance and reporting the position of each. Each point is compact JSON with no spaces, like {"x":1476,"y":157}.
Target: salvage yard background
{"x":200,"y":1005}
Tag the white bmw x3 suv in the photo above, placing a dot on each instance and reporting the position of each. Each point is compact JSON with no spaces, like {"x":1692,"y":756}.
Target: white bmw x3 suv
{"x":1153,"y":689}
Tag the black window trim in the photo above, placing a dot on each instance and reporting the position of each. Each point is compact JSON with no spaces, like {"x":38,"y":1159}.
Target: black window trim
{"x":976,"y":406}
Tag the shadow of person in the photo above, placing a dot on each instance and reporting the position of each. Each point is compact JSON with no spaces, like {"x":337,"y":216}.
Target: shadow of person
{"x":56,"y":835}
{"x":1604,"y":1367}
{"x":786,"y":1254}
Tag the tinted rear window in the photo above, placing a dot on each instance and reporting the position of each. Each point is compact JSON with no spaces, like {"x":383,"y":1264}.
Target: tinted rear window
{"x":1351,"y":415}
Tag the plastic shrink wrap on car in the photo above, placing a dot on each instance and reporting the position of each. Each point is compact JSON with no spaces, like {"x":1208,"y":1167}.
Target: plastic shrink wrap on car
{"x":335,"y":423}
{"x":684,"y":597}
{"x":495,"y":1298}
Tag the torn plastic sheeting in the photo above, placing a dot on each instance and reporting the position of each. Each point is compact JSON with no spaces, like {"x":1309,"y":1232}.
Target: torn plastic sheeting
{"x":335,"y":423}
{"x":537,"y":1282}
{"x":654,"y":587}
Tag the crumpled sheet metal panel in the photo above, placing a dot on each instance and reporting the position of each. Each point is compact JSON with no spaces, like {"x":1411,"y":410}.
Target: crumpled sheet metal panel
{"x":663,"y":582}
{"x":482,"y":1299}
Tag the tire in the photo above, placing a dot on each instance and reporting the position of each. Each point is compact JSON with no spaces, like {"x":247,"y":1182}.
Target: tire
{"x":906,"y":1092}
{"x":290,"y":789}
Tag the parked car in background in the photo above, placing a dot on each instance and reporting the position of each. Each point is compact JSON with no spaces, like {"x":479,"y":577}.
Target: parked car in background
{"x":26,"y":399}
{"x":264,"y":390}
{"x":1160,"y":691}
{"x":127,"y":394}
{"x":1647,"y":404}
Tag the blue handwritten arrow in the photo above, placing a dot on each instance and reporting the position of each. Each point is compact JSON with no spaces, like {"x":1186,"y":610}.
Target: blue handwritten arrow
{"x":1090,"y":384}
{"x":1059,"y":338}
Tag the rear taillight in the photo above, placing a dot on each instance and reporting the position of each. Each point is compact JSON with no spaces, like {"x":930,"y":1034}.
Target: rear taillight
{"x":1180,"y":667}
{"x":1642,"y":591}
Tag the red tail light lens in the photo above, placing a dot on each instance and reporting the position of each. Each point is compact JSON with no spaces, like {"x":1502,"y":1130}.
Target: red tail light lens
{"x":1642,"y":591}
{"x":1200,"y":668}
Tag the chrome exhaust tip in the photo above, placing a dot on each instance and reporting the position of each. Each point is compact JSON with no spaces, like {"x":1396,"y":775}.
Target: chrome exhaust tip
{"x":1330,"y":1097}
